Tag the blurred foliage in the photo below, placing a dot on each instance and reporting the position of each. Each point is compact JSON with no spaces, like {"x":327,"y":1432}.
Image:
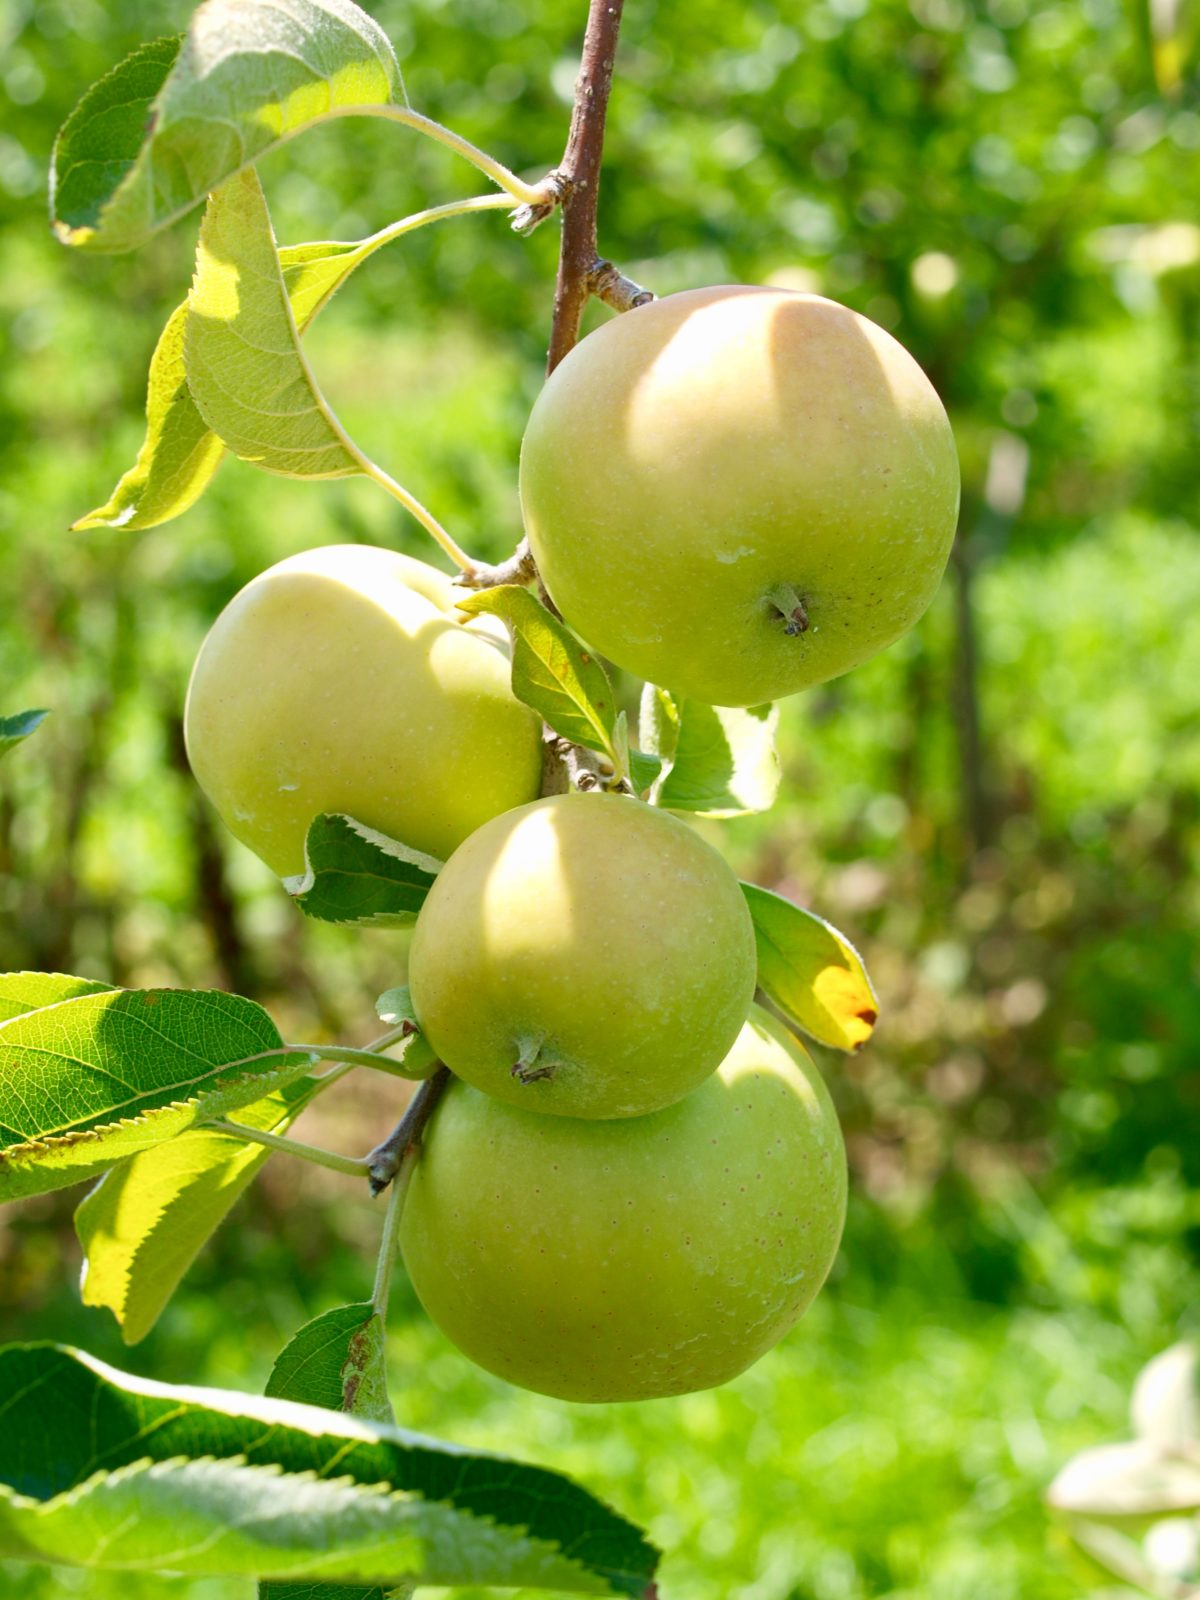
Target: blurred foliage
{"x":1003,"y":811}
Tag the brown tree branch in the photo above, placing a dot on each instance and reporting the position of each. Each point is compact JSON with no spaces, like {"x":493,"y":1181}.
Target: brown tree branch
{"x":404,"y":1141}
{"x":582,"y":272}
{"x":578,"y":177}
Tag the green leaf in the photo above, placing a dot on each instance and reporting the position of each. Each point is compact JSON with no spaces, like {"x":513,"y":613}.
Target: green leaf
{"x":355,"y":874}
{"x":724,"y":762}
{"x":30,"y":991}
{"x":102,"y":1469}
{"x":180,"y":453}
{"x":314,"y":272}
{"x":643,"y":770}
{"x":97,"y":1077}
{"x":551,"y":670}
{"x":14,"y":729}
{"x":395,"y":1006}
{"x":336,"y":1361}
{"x":417,"y":1059}
{"x":151,"y":139}
{"x":658,"y":722}
{"x":718,"y":761}
{"x":98,"y":145}
{"x":245,"y":369}
{"x":146,"y":1221}
{"x":811,"y":971}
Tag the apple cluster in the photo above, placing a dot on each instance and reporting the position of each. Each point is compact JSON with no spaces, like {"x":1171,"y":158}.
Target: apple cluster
{"x":635,"y":1182}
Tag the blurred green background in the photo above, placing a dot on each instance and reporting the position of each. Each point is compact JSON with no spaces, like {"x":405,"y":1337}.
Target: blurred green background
{"x":1003,"y":812}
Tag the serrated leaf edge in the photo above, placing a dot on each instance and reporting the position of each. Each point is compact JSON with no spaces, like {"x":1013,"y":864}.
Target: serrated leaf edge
{"x":59,"y":1141}
{"x":316,"y":1422}
{"x":63,"y":230}
{"x":303,"y":883}
{"x":147,"y":1467}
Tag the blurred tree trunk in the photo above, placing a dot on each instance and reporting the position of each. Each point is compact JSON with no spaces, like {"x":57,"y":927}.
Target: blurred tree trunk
{"x":63,"y":901}
{"x":974,"y":809}
{"x":213,"y":896}
{"x":910,"y":764}
{"x":984,"y":530}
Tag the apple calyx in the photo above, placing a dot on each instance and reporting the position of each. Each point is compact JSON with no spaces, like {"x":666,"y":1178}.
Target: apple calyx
{"x":528,"y":1068}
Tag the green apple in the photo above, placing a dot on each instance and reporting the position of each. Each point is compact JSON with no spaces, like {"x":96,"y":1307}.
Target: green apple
{"x":632,"y":1259}
{"x":585,"y":955}
{"x":739,"y":492}
{"x":343,"y":680}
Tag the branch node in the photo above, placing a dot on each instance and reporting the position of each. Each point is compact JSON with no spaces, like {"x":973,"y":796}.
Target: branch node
{"x":519,"y":568}
{"x":528,"y":217}
{"x":582,"y":766}
{"x":385,"y":1161}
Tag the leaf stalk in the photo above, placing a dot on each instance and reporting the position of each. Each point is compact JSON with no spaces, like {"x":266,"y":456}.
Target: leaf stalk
{"x":352,"y":1167}
{"x":522,"y":193}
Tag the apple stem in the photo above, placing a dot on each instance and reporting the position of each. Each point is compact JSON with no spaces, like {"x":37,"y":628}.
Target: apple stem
{"x":790,"y":607}
{"x":580,"y":764}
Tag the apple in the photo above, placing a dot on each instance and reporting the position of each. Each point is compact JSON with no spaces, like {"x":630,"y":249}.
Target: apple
{"x":631,"y":1259}
{"x":738,"y":492}
{"x":344,"y":680}
{"x":586,"y":955}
